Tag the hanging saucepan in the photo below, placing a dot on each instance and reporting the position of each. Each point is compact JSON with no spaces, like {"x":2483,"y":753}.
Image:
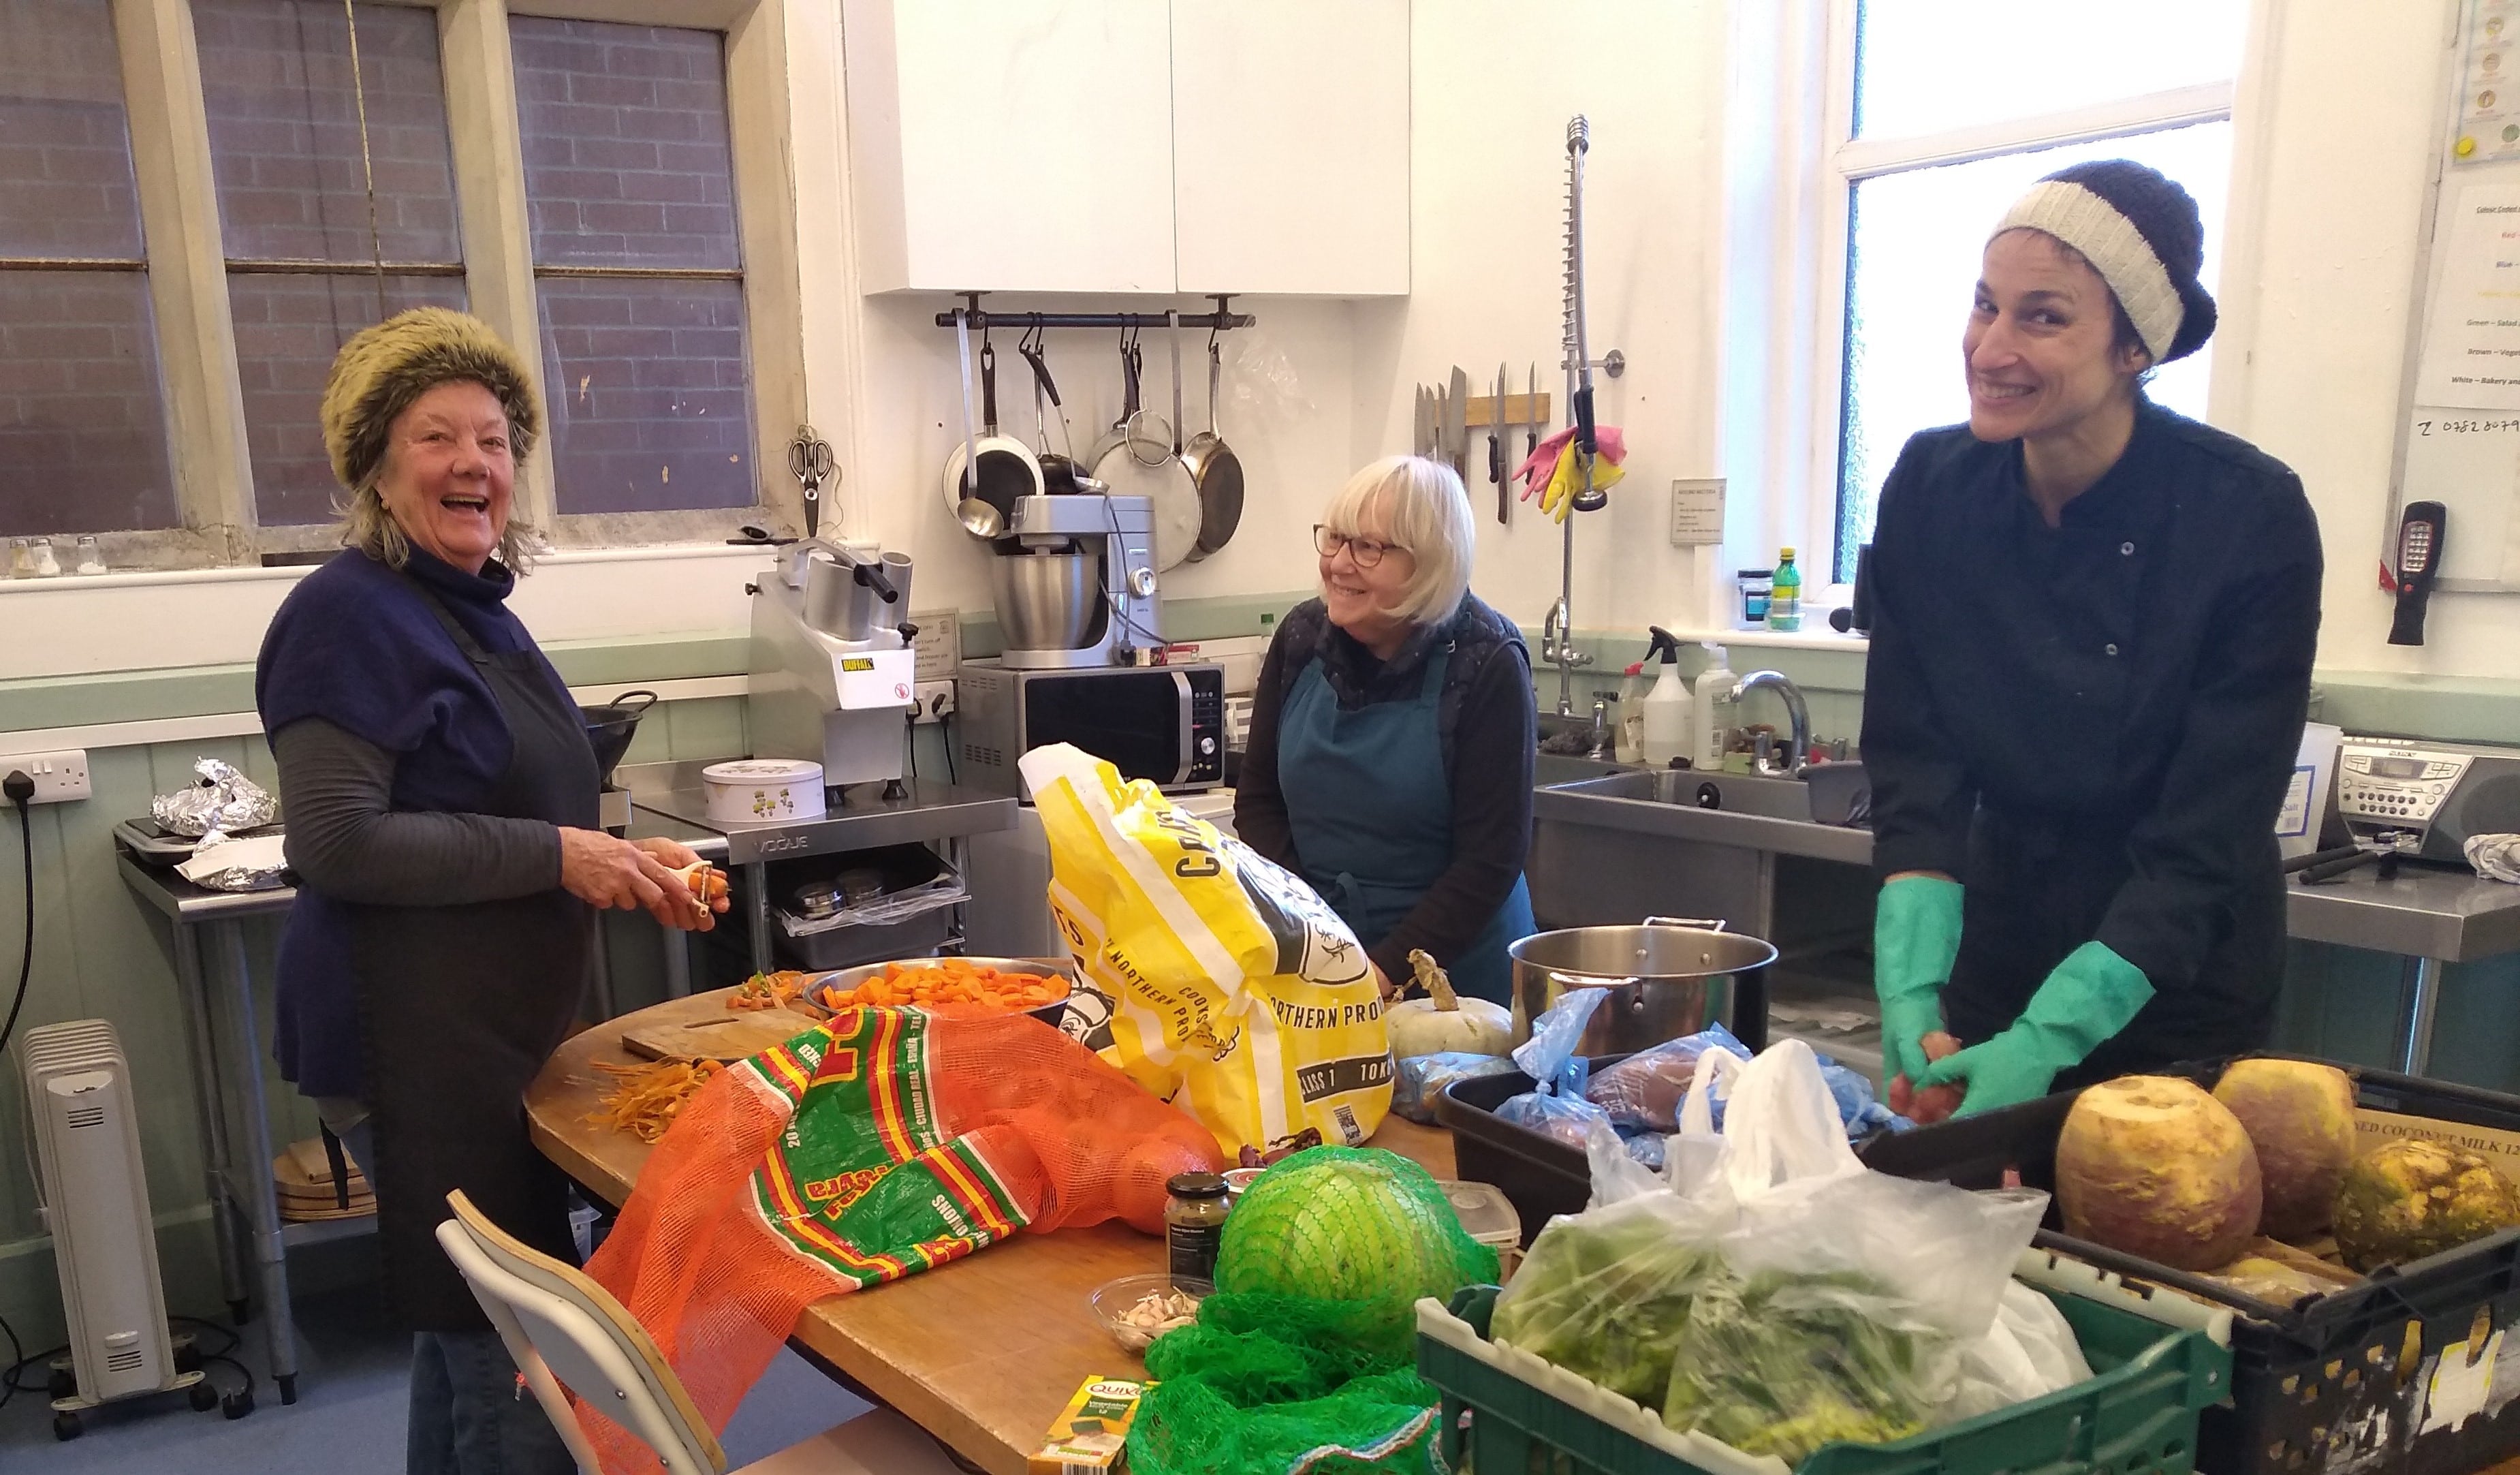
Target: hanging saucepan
{"x":1217,"y":471}
{"x":1005,"y":466}
{"x":611,"y":727}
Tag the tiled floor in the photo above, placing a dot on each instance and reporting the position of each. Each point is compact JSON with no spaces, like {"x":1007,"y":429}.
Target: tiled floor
{"x":349,"y":1418}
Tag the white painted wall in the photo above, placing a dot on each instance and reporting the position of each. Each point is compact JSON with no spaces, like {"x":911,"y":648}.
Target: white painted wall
{"x":2330,"y":304}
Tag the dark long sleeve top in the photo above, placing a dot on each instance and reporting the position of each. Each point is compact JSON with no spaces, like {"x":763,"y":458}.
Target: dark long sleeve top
{"x":1488,"y":723}
{"x":346,"y":839}
{"x":2136,"y":677}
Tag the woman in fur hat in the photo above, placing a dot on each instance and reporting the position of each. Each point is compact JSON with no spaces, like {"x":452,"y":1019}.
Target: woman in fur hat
{"x":441,"y":796}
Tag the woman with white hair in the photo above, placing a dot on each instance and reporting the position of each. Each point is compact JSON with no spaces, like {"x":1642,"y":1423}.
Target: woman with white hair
{"x":1392,"y":734}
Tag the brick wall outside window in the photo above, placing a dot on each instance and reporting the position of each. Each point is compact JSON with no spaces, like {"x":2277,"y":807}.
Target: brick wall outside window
{"x":627,"y":165}
{"x":83,"y":414}
{"x":284,"y":150}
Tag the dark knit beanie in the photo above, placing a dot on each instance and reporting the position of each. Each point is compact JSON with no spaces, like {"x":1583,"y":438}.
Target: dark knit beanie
{"x":2141,"y":233}
{"x":383,"y":368}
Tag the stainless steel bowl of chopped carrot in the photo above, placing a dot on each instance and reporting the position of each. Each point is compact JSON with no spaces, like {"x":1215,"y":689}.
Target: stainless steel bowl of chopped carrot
{"x":1004,"y":985}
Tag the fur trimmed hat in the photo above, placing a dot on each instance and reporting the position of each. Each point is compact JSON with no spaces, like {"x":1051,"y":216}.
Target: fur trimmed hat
{"x":2141,"y":233}
{"x":383,"y":369}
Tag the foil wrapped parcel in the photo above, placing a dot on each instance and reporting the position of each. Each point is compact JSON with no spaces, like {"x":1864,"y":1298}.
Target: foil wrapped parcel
{"x":254,"y":863}
{"x":224,"y":800}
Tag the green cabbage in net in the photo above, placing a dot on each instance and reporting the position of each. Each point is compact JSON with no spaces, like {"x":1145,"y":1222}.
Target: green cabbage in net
{"x":1341,"y":1224}
{"x":1305,"y":1358}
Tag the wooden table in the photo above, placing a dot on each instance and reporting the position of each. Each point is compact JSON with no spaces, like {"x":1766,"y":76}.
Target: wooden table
{"x":984,"y":1352}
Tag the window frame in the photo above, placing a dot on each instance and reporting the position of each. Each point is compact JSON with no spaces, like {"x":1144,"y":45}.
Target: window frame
{"x":187,"y":267}
{"x":1845,"y":162}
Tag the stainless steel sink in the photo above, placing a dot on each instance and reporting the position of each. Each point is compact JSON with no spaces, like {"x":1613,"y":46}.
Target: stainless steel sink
{"x":1831,"y":794}
{"x":1680,"y":842}
{"x":1549,"y":768}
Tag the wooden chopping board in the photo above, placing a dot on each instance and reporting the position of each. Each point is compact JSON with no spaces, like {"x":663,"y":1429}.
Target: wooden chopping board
{"x":703,"y":1027}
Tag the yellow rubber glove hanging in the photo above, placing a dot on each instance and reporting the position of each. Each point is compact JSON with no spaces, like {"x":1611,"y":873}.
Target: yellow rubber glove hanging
{"x":1568,"y":479}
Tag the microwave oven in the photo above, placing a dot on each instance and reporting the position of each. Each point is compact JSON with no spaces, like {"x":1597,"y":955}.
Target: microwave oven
{"x":1161,"y":723}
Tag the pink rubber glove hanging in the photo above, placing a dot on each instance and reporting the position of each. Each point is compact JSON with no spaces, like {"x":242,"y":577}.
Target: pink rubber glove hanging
{"x":1542,"y":463}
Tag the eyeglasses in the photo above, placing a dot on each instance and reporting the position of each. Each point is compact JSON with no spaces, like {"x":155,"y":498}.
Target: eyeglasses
{"x":1364,"y":550}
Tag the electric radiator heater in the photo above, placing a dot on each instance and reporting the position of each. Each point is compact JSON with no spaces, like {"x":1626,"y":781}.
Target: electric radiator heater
{"x":96,"y":1204}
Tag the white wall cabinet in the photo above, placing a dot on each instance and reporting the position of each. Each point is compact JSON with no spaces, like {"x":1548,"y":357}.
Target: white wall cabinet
{"x":1010,"y":145}
{"x":1130,"y":145}
{"x":1291,"y":146}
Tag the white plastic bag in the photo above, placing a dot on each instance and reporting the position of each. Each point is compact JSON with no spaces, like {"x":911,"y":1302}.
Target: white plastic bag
{"x":2029,"y":1353}
{"x":1815,"y":1299}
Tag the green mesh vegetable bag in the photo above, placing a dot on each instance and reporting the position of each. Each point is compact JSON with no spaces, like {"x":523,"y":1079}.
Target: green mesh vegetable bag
{"x":1273,"y":1385}
{"x":1305,"y":1358}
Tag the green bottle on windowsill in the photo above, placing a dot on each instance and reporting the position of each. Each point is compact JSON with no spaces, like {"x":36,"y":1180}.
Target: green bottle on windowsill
{"x":1785,"y":604}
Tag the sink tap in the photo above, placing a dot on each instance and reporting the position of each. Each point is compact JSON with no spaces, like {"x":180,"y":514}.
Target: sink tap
{"x":1600,"y":752}
{"x":1558,"y":649}
{"x":1797,"y":714}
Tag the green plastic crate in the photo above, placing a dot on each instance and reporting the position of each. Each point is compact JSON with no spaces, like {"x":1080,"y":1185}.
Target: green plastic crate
{"x":2136,"y":1416}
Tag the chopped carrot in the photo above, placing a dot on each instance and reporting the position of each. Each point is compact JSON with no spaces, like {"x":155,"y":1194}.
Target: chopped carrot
{"x":954,"y":982}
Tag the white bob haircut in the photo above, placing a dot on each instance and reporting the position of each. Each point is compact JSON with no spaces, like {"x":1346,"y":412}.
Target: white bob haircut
{"x":1414,"y":503}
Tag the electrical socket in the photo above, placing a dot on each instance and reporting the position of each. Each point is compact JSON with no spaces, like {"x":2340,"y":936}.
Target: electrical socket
{"x":935,"y":701}
{"x":59,"y":777}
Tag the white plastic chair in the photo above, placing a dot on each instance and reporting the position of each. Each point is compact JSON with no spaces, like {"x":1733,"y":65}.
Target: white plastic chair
{"x":562,"y":1327}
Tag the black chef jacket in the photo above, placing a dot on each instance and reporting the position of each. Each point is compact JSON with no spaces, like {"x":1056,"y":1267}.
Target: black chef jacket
{"x":2093,"y":727}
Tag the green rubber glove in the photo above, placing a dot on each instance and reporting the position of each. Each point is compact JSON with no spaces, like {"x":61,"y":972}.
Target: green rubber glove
{"x":2091,"y":997}
{"x":1915,"y":934}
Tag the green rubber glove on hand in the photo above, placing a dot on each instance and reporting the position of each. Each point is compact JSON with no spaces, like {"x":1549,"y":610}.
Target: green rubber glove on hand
{"x":1915,"y":934}
{"x":2088,"y":998}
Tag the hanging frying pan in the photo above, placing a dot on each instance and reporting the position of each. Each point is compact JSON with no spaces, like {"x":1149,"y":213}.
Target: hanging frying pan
{"x":1058,"y":473}
{"x":1140,"y":462}
{"x":1217,"y":471}
{"x":1006,"y":468}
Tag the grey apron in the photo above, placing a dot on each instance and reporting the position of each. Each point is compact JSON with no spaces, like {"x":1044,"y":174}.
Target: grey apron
{"x":459,"y":1007}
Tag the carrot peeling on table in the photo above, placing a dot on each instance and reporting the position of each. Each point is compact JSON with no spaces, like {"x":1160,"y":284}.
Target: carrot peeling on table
{"x":650,"y":1095}
{"x":769,"y":990}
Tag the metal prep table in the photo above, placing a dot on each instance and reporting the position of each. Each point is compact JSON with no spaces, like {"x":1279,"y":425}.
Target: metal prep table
{"x":2429,"y":916}
{"x":229,"y":1047}
{"x":670,"y":800}
{"x":1609,"y":856}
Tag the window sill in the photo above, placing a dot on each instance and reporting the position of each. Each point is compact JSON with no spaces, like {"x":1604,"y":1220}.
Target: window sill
{"x":160,"y":578}
{"x":1804,"y":639}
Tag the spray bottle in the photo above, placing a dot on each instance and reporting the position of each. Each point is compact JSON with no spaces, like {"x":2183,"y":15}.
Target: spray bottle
{"x":1711,"y":718}
{"x":1667,"y":707}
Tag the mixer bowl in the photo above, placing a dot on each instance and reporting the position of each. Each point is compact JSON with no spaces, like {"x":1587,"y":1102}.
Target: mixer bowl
{"x":1046,"y":601}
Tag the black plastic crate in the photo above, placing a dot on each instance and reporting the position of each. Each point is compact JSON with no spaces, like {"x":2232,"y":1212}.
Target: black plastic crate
{"x":2342,"y":1381}
{"x":1540,"y":1176}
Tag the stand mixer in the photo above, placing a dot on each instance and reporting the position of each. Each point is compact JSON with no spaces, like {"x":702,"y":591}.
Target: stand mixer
{"x":832,"y":673}
{"x":1074,"y":580}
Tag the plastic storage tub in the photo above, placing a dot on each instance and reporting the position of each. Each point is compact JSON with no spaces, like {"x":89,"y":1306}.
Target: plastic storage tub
{"x":2399,"y":1375}
{"x":1507,"y":1411}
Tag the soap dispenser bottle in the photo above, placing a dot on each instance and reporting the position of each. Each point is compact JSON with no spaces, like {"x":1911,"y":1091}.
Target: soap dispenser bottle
{"x":1629,"y":744}
{"x":1710,"y":725}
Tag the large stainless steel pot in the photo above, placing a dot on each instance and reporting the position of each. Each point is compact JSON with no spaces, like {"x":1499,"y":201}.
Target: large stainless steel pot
{"x":1660,"y":976}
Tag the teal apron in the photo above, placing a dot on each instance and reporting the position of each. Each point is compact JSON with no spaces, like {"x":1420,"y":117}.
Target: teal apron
{"x":1372,"y":812}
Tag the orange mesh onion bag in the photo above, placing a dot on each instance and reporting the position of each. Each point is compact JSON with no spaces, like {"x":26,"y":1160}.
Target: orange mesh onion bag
{"x":880,"y":1144}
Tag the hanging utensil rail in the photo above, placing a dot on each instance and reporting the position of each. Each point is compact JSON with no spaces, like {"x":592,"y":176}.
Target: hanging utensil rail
{"x":1223,"y":320}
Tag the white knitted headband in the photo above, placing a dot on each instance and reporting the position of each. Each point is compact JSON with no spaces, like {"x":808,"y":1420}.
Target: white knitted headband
{"x":2084,"y":220}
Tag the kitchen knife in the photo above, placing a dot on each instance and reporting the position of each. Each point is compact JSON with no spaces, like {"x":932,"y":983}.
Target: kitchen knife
{"x":1457,"y":421}
{"x":1423,"y":443}
{"x":1500,"y":451}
